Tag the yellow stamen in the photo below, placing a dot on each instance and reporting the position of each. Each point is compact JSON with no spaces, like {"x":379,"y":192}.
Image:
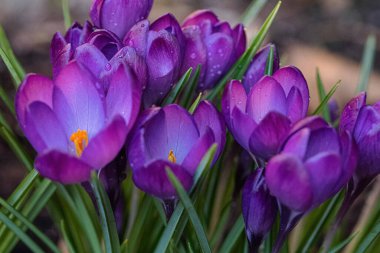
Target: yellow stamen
{"x":80,"y":140}
{"x":171,"y":156}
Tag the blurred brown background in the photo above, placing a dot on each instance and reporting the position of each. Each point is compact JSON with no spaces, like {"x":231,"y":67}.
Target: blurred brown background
{"x":329,"y":34}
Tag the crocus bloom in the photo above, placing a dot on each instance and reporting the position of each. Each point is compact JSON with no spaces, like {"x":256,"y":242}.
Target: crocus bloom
{"x":73,"y":124}
{"x":314,"y":164}
{"x":259,"y":208}
{"x":363,"y":121}
{"x":160,"y":44}
{"x":212,"y":44}
{"x":171,"y":137}
{"x":119,"y":16}
{"x":260,"y":120}
{"x":256,"y":69}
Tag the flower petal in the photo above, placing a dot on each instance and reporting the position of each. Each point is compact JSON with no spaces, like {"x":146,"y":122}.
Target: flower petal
{"x":323,"y":140}
{"x":288,"y":180}
{"x":297,"y":143}
{"x":240,"y":41}
{"x":294,"y":105}
{"x":137,"y":37}
{"x":154,"y":180}
{"x":351,"y":111}
{"x":241,"y":126}
{"x":62,"y":167}
{"x":200,"y":16}
{"x":60,"y":53}
{"x":91,"y":58}
{"x":233,"y":96}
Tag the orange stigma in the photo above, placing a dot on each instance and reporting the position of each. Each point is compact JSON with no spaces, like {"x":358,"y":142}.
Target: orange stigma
{"x":171,"y":156}
{"x":80,"y":140}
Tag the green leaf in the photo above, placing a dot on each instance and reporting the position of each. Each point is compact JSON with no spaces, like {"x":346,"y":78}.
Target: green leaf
{"x":191,"y":87}
{"x":160,"y":211}
{"x":185,"y":199}
{"x":322,"y":95}
{"x":66,"y":237}
{"x":7,"y":101}
{"x":66,"y":13}
{"x":233,"y":236}
{"x":205,"y":163}
{"x":252,"y":11}
{"x":30,"y":226}
{"x":23,"y":188}
{"x":369,"y":238}
{"x":367,"y":63}
{"x":343,"y":244}
{"x":111,"y":239}
{"x":195,"y":103}
{"x":178,"y":88}
{"x":240,"y":67}
{"x":269,"y":65}
{"x":21,"y":234}
{"x":326,"y":99}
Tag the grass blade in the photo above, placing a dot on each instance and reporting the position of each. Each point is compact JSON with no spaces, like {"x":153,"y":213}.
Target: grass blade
{"x":66,"y":13}
{"x":322,"y":95}
{"x":367,"y":63}
{"x":67,"y":238}
{"x":195,"y":103}
{"x":269,"y":65}
{"x":30,"y":226}
{"x":326,"y":99}
{"x":185,"y":199}
{"x":252,"y":11}
{"x":233,"y":236}
{"x":8,"y":102}
{"x":191,"y":87}
{"x":370,"y":238}
{"x":111,"y":239}
{"x":178,"y":88}
{"x":343,"y":244}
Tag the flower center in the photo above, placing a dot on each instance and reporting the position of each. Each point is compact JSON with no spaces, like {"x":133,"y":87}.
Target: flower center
{"x":171,"y":156}
{"x":80,"y":140}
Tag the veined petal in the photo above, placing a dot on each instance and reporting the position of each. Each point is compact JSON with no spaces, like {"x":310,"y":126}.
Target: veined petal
{"x":351,"y":111}
{"x":91,"y":58}
{"x":323,"y":140}
{"x":234,"y":96}
{"x":295,"y":105}
{"x":198,"y":17}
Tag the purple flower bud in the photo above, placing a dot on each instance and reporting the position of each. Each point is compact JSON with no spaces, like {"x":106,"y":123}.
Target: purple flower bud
{"x":75,"y":126}
{"x":259,"y":208}
{"x":256,"y":69}
{"x":261,"y":120}
{"x":314,"y":164}
{"x":119,"y":16}
{"x":212,"y":44}
{"x":171,"y":137}
{"x":363,"y":122}
{"x":161,"y":45}
{"x":333,"y":110}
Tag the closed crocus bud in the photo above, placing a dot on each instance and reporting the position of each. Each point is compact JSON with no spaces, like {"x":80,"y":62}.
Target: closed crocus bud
{"x":259,"y":209}
{"x":108,"y":43}
{"x":363,"y":121}
{"x":314,"y":164}
{"x":261,"y":120}
{"x":119,"y":16}
{"x":160,"y":44}
{"x":170,"y":137}
{"x":212,"y":44}
{"x":256,"y":69}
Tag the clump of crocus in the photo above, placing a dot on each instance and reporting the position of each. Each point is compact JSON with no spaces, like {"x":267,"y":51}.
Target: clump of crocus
{"x":160,"y":44}
{"x":213,"y":44}
{"x":74,"y":125}
{"x":261,"y":120}
{"x":259,"y":209}
{"x":118,"y":16}
{"x":170,"y":137}
{"x":314,"y":164}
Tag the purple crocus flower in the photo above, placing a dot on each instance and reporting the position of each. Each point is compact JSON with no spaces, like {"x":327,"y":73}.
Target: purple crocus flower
{"x":73,"y":124}
{"x":363,"y":122}
{"x":259,"y":209}
{"x":172,"y":137}
{"x":212,"y":44}
{"x":119,"y":16}
{"x":161,"y":45}
{"x":314,"y":164}
{"x":261,"y":120}
{"x":256,"y":69}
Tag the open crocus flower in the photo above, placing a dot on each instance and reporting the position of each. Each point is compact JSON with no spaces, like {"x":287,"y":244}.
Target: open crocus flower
{"x":73,"y":124}
{"x":363,"y":121}
{"x":260,"y":120}
{"x":171,"y":137}
{"x":161,"y":46}
{"x":119,"y":16}
{"x":212,"y":44}
{"x":314,"y":164}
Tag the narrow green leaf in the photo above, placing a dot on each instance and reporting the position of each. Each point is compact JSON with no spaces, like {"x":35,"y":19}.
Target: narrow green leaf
{"x":205,"y":163}
{"x":4,"y":123}
{"x":326,"y":99}
{"x":322,"y":95}
{"x":343,"y":244}
{"x":30,"y":226}
{"x":240,"y":67}
{"x":111,"y":239}
{"x":195,"y":103}
{"x":191,"y":87}
{"x":367,"y":63}
{"x":21,"y":234}
{"x":7,"y":101}
{"x":185,"y":199}
{"x":67,"y":238}
{"x":233,"y":236}
{"x":370,"y":238}
{"x":66,"y":13}
{"x":252,"y":11}
{"x":160,"y":211}
{"x":10,"y":66}
{"x":269,"y":65}
{"x":23,"y":188}
{"x":178,"y":88}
